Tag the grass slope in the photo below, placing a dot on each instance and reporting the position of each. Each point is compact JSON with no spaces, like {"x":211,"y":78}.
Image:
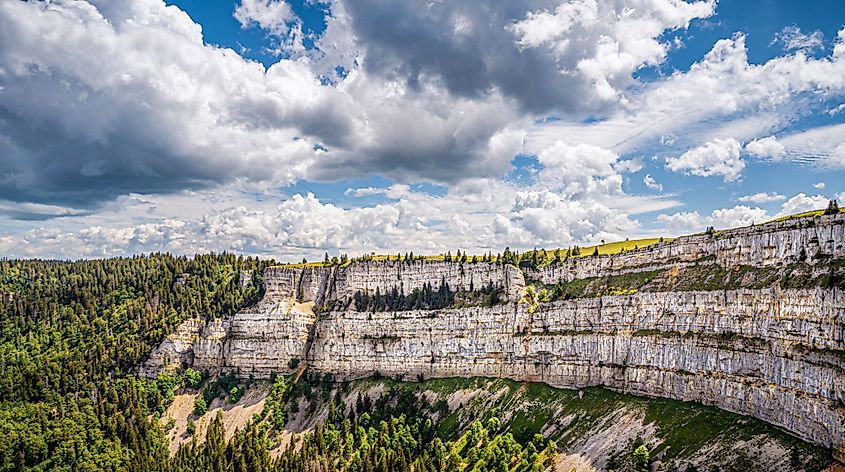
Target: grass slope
{"x":679,"y":433}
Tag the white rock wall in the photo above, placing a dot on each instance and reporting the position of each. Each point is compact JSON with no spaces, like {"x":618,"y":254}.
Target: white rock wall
{"x":689,"y":355}
{"x":257,"y":341}
{"x":778,"y":355}
{"x":316,"y":283}
{"x":762,"y":245}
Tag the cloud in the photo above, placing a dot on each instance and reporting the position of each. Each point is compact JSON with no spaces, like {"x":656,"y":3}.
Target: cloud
{"x":605,"y":43}
{"x":791,"y":38}
{"x":36,"y":211}
{"x":740,"y":215}
{"x":272,"y":15}
{"x":98,"y":103}
{"x":718,"y":157}
{"x":482,"y":214}
{"x":395,"y":191}
{"x":439,"y":99}
{"x":721,"y":96}
{"x":571,"y":59}
{"x":160,"y":111}
{"x":836,"y":110}
{"x":766,"y":147}
{"x":278,"y":19}
{"x":819,"y":185}
{"x":801,"y":203}
{"x":687,"y":222}
{"x":574,"y":163}
{"x":822,"y":146}
{"x":649,"y":182}
{"x":762,"y":197}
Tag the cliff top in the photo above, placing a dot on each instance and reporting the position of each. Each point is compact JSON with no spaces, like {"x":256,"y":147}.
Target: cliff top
{"x":549,"y":256}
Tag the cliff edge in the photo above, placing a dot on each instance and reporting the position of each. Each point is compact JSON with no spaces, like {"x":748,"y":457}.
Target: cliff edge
{"x":751,"y":320}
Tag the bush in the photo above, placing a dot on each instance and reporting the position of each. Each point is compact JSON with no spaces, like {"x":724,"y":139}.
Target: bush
{"x":235,"y":394}
{"x":641,"y":459}
{"x":192,"y":378}
{"x":832,"y":208}
{"x":200,"y":406}
{"x":192,"y":427}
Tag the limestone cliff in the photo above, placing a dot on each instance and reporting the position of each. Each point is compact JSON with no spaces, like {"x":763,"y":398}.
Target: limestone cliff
{"x":770,"y":344}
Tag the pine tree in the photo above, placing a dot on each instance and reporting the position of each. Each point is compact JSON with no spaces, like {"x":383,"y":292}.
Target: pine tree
{"x":641,"y":459}
{"x":832,"y":208}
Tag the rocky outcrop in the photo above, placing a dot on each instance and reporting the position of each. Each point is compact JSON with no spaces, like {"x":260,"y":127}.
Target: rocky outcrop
{"x":770,"y":244}
{"x":257,"y":341}
{"x":772,"y":353}
{"x":322,"y":283}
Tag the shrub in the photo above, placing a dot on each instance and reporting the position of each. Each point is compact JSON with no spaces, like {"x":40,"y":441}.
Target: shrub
{"x":235,"y":394}
{"x":192,"y":378}
{"x":832,"y":208}
{"x":200,"y":406}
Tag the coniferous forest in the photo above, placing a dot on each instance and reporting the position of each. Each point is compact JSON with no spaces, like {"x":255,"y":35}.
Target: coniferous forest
{"x":72,"y":332}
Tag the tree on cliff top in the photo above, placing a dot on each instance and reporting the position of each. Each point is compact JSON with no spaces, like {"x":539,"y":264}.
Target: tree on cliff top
{"x":832,"y":208}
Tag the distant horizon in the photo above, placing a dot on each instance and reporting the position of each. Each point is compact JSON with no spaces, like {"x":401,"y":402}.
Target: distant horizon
{"x":287,"y":128}
{"x":433,"y":256}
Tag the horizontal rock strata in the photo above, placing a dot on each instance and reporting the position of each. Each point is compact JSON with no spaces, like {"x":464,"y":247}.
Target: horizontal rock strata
{"x":750,"y":353}
{"x":772,"y":353}
{"x":770,"y":244}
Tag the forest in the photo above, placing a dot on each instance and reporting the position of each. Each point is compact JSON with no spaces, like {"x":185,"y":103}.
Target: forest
{"x":71,"y":333}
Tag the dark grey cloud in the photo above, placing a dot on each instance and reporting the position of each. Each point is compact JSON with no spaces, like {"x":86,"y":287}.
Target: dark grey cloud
{"x":466,"y":45}
{"x":100,"y":99}
{"x":92,"y":108}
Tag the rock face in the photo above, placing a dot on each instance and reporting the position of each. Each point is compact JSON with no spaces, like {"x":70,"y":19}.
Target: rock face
{"x":770,"y":244}
{"x":257,"y":341}
{"x":320,"y":284}
{"x":741,"y":351}
{"x":776,"y":354}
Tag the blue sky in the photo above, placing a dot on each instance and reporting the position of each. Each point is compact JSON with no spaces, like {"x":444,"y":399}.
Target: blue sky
{"x":291,"y":128}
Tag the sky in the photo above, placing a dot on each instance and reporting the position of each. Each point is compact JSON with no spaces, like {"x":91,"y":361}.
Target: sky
{"x":291,"y":128}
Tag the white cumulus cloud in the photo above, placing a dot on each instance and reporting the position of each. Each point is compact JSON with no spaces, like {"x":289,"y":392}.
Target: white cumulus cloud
{"x":762,"y":197}
{"x":717,"y":157}
{"x":766,"y":147}
{"x":649,"y":182}
{"x":691,"y":222}
{"x":801,"y":203}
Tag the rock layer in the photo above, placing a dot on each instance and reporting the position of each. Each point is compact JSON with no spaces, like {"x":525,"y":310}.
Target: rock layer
{"x":258,"y":341}
{"x":766,"y":245}
{"x":772,"y":353}
{"x":742,"y":351}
